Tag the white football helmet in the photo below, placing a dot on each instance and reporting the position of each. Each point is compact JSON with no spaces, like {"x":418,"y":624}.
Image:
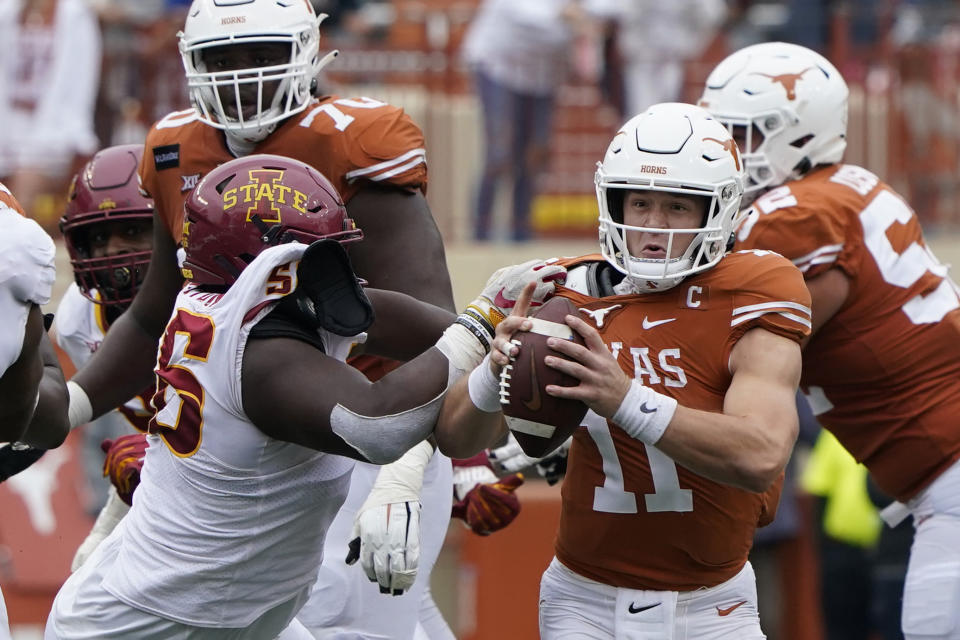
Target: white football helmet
{"x":677,"y":148}
{"x":216,"y":23}
{"x":790,"y":97}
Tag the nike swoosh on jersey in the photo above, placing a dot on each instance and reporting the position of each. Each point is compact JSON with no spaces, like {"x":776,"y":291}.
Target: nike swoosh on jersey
{"x":650,"y":324}
{"x":634,"y":609}
{"x":729,"y":610}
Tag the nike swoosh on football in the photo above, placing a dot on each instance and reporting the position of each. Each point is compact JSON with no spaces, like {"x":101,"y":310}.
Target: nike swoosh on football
{"x":648,"y":324}
{"x":535,"y":401}
{"x":729,"y":610}
{"x":633,"y":609}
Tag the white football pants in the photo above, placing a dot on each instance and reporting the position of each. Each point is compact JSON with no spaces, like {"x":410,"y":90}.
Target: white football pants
{"x":931,"y":596}
{"x":576,"y":608}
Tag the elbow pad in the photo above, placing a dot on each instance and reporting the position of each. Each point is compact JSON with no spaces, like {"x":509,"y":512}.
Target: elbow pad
{"x":383,"y":439}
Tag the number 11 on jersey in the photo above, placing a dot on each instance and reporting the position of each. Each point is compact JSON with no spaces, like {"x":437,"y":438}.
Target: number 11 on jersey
{"x":612,"y":497}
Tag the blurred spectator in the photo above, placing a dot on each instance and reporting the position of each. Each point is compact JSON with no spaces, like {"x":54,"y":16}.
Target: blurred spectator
{"x":519,"y":53}
{"x":48,"y":89}
{"x":926,"y":36}
{"x":850,"y":528}
{"x":123,"y":25}
{"x":655,"y":40}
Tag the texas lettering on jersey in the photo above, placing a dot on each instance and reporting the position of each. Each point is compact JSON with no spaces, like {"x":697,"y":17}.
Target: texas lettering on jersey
{"x":349,"y":140}
{"x":884,"y":372}
{"x":631,"y":516}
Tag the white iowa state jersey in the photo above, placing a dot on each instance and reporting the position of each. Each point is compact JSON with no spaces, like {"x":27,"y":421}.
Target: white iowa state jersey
{"x":26,"y":274}
{"x":80,"y":327}
{"x":235,"y":520}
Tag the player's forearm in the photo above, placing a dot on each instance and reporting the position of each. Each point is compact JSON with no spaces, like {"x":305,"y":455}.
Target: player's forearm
{"x":463,"y":430}
{"x":423,"y":324}
{"x":49,"y":426}
{"x":19,"y":383}
{"x":18,"y":395}
{"x":121,"y":367}
{"x":742,"y":451}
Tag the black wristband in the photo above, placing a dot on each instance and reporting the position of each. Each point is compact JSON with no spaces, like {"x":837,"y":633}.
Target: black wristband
{"x":476,"y":329}
{"x":481,"y":319}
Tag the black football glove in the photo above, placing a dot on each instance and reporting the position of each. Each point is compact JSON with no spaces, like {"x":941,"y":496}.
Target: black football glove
{"x":15,"y":457}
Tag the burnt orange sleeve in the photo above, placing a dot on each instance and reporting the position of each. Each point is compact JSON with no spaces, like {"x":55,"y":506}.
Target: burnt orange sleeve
{"x":149,"y":181}
{"x":772,"y":295}
{"x":387,"y":148}
{"x":811,"y":232}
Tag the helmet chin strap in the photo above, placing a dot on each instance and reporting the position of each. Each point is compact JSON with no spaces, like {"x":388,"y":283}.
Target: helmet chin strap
{"x":240,"y":146}
{"x":638,"y":283}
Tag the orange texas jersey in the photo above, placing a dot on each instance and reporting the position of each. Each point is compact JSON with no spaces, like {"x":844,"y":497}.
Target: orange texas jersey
{"x":885,"y":370}
{"x":7,"y":200}
{"x":350,"y":141}
{"x":631,"y":517}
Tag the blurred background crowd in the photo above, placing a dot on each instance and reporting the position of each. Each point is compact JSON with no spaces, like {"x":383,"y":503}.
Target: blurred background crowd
{"x":517,"y":101}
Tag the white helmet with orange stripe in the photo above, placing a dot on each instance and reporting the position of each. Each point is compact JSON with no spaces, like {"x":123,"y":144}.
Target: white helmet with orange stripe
{"x":251,"y":63}
{"x":785,"y":105}
{"x":679,"y":152}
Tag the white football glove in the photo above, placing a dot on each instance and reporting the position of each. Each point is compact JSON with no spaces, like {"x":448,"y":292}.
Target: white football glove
{"x":110,"y":516}
{"x":502,"y":289}
{"x":510,"y":458}
{"x":386,"y":530}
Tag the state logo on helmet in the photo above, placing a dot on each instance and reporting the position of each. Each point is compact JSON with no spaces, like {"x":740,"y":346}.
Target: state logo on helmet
{"x":785,"y":105}
{"x":676,"y":149}
{"x":251,"y":203}
{"x":104,"y":198}
{"x":248,"y":102}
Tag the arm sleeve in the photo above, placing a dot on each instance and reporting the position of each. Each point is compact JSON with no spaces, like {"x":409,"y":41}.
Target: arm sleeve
{"x":389,"y":150}
{"x":774,"y":298}
{"x":811,"y":233}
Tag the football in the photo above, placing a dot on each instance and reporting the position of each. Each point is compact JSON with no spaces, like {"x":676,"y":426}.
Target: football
{"x":540,"y":422}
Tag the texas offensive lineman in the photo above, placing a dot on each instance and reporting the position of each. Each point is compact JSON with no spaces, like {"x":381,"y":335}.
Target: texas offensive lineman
{"x":251,"y":68}
{"x":690,"y":369}
{"x":883,"y":364}
{"x":33,"y":398}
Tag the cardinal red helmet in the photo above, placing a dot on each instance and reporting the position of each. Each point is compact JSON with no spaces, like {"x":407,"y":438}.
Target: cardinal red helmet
{"x":106,"y":190}
{"x":251,"y":203}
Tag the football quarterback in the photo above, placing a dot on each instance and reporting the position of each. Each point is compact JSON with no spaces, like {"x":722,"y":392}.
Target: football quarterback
{"x":690,"y":368}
